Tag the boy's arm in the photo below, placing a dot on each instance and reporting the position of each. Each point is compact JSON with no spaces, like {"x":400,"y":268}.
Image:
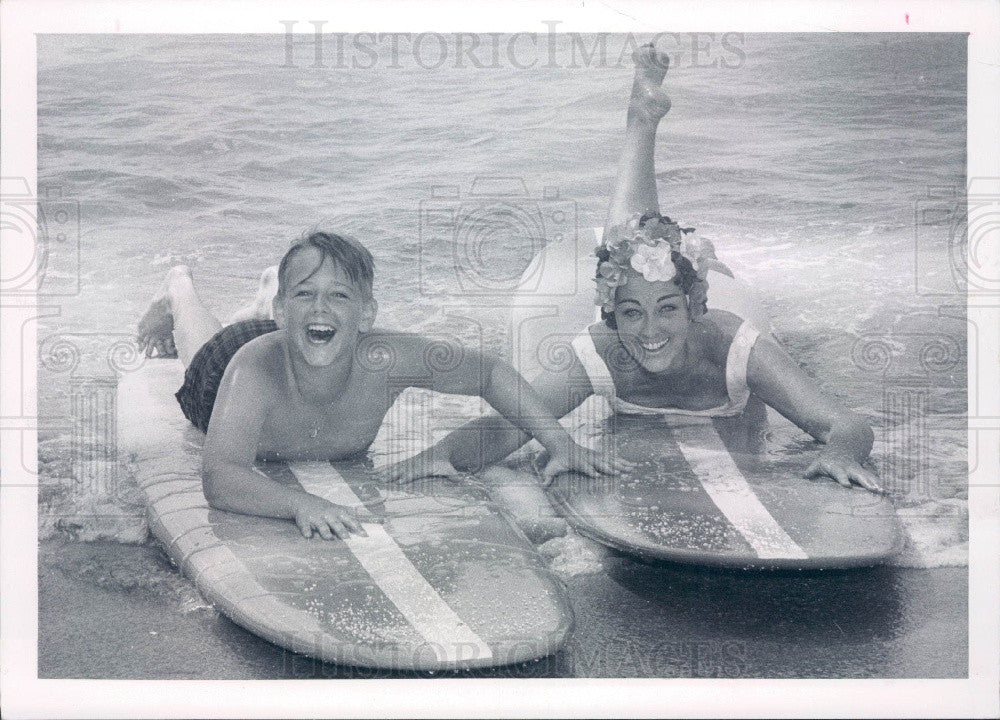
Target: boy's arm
{"x":527,"y":412}
{"x":229,"y":479}
{"x":776,"y":378}
{"x":491,"y":438}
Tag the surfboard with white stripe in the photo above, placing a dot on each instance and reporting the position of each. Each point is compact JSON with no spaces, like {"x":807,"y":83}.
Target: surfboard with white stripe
{"x":692,"y":499}
{"x":450,"y":638}
{"x":443,"y":582}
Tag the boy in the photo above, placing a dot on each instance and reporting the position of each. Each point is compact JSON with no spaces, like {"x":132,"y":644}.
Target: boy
{"x":315,"y":383}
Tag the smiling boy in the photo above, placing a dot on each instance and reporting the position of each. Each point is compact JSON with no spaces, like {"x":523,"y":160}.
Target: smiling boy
{"x":315,"y":382}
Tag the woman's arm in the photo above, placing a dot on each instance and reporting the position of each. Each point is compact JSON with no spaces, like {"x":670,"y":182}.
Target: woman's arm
{"x":782,"y":384}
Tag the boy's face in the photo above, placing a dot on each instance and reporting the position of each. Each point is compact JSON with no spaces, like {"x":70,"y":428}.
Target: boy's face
{"x":321,"y":309}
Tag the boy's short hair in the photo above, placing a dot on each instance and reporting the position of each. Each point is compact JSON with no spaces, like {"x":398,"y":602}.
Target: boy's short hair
{"x":349,"y":255}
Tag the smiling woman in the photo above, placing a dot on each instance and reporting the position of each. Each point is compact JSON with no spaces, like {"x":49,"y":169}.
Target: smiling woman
{"x":661,"y":349}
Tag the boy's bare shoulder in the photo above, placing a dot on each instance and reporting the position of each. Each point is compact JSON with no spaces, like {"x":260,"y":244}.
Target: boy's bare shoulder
{"x":260,"y":363}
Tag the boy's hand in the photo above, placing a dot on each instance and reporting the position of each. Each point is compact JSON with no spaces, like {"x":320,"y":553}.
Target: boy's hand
{"x":313,"y":513}
{"x":845,"y":470}
{"x":584,"y":461}
{"x":429,"y":463}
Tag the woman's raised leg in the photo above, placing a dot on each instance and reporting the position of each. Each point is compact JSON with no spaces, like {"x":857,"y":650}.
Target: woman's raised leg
{"x":635,"y":186}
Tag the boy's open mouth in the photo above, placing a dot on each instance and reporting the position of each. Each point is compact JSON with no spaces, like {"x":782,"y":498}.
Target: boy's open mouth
{"x":319,"y":334}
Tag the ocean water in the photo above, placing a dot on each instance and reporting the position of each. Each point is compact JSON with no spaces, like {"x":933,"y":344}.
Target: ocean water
{"x":826,"y":167}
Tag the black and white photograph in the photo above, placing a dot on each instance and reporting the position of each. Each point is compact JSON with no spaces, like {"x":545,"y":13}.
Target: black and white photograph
{"x":578,"y":346}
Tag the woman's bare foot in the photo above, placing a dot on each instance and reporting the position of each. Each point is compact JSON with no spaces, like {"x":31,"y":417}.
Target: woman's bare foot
{"x":261,"y":307}
{"x":156,"y":328}
{"x":649,"y":102}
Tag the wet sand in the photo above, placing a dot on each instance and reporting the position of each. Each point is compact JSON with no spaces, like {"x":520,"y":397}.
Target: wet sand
{"x":122,"y":611}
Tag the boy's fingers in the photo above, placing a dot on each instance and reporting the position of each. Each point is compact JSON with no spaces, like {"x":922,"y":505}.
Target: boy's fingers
{"x":866,"y":480}
{"x":341,"y":529}
{"x":813,"y":470}
{"x":304,"y":528}
{"x":324,"y":529}
{"x":840,"y":476}
{"x":353,"y":524}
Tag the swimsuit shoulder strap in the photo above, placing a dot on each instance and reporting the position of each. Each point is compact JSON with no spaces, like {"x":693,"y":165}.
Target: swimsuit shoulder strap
{"x":736,"y":364}
{"x":594,"y":365}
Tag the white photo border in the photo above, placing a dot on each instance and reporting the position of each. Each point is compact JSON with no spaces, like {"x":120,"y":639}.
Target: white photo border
{"x":24,"y":695}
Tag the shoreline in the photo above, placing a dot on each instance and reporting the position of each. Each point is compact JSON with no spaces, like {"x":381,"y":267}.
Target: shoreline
{"x":110,"y":610}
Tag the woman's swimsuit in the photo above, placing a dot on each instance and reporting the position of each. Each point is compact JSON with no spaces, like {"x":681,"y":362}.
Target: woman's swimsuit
{"x":736,"y":376}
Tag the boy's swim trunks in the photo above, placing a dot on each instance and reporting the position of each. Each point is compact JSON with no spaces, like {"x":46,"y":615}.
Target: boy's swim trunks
{"x":204,"y":374}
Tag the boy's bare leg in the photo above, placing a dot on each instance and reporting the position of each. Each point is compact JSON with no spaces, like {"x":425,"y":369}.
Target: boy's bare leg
{"x":177,"y":323}
{"x":261,"y":307}
{"x":635,"y":187}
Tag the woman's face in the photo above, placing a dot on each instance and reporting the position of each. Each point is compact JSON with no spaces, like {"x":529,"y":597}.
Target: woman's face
{"x":653,"y":321}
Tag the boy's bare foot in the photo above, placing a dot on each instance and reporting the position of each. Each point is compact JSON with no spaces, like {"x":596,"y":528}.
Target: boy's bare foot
{"x":519,"y":494}
{"x":156,"y":328}
{"x":649,"y":102}
{"x":261,"y":307}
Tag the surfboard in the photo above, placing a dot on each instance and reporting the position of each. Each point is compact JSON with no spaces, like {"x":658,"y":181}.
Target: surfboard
{"x":702,"y":493}
{"x":693,"y":499}
{"x":442,"y":581}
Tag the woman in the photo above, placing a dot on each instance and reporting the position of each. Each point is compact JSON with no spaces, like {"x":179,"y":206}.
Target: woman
{"x":659,"y":349}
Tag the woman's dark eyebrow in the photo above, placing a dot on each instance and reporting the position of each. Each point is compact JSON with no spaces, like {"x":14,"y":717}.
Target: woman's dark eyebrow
{"x":669,"y":297}
{"x":629,"y":301}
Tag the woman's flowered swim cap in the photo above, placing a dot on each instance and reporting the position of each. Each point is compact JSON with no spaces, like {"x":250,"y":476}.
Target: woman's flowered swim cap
{"x":655,"y":247}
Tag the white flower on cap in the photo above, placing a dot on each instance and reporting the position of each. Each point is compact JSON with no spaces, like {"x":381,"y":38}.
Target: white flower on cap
{"x":653,"y":262}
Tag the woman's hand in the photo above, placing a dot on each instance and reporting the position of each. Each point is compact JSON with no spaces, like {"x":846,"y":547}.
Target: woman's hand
{"x":584,"y":461}
{"x":432,"y":462}
{"x":313,"y":513}
{"x":844,"y":469}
